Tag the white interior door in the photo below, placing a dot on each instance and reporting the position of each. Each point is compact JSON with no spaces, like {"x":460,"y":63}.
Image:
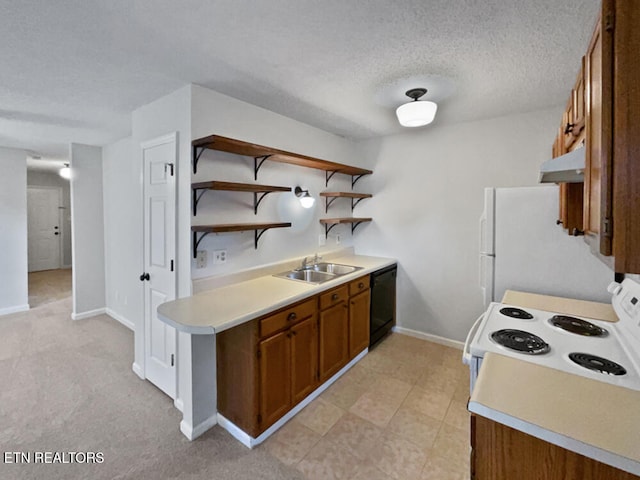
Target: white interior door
{"x":159,"y":157}
{"x":44,"y":230}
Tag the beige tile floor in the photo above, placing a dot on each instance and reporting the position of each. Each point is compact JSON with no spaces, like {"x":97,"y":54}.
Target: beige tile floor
{"x":400,"y":413}
{"x":49,"y":286}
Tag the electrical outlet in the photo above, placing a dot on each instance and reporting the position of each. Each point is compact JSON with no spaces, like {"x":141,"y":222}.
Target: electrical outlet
{"x":338,"y":239}
{"x":322,"y":240}
{"x":219,"y":256}
{"x":201,"y":259}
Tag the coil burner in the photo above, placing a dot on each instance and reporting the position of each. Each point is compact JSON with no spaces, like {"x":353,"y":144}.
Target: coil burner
{"x":577,"y":326}
{"x":597,"y":364}
{"x":520,"y":341}
{"x":516,"y":313}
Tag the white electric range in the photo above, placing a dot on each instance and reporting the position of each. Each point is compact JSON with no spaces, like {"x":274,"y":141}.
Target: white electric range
{"x":596,"y":349}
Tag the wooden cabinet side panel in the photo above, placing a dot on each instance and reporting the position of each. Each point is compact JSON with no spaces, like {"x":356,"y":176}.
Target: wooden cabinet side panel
{"x":503,"y":453}
{"x":359,"y":320}
{"x":626,"y":135}
{"x":334,"y":339}
{"x":275,"y":378}
{"x":237,"y":379}
{"x":304,"y":358}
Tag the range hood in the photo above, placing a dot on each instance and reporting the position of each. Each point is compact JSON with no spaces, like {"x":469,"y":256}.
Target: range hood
{"x":565,"y":168}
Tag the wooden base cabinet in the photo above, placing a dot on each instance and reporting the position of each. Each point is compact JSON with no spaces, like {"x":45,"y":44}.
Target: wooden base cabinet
{"x":333,"y":332}
{"x":503,"y":453}
{"x":267,"y":366}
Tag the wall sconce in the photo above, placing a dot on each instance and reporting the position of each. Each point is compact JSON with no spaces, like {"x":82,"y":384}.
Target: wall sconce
{"x":65,"y":172}
{"x":306,"y":200}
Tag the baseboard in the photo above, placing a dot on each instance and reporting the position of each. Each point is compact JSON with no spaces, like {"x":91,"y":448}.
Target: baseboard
{"x":137,"y":369}
{"x":116,"y":316}
{"x":192,"y":432}
{"x":250,"y":442}
{"x":88,"y":314}
{"x":16,"y":309}
{"x":428,"y":336}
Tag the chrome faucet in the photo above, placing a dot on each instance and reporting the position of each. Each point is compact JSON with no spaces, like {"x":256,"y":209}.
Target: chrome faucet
{"x":305,"y":265}
{"x":316,"y":258}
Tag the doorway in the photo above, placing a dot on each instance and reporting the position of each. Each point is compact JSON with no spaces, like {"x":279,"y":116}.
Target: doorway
{"x":43,"y":228}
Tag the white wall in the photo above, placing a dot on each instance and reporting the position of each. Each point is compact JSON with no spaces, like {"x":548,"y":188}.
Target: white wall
{"x":214,"y":113}
{"x":122,"y":232}
{"x":13,"y":231}
{"x":40,"y":178}
{"x":87,"y":231}
{"x":428,"y":196}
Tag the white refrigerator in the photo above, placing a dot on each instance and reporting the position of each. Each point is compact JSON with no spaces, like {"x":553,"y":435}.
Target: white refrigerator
{"x":522,"y":248}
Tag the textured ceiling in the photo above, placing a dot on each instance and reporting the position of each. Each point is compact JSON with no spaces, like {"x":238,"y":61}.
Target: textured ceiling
{"x":73,"y":70}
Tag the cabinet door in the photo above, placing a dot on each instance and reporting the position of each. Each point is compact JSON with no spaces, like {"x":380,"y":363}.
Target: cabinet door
{"x":359,"y":323}
{"x":334,"y":339}
{"x":597,"y":188}
{"x":304,"y":358}
{"x":275,"y":378}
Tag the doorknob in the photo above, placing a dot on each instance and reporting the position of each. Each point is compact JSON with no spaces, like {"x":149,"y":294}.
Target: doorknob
{"x":144,"y":276}
{"x":56,"y":233}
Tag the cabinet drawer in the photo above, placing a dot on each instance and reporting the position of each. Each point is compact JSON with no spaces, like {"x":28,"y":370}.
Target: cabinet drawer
{"x":358,"y":285}
{"x":334,"y":296}
{"x":287,"y":317}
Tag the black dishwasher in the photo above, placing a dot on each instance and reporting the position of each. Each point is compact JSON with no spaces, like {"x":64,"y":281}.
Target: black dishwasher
{"x":383,"y":303}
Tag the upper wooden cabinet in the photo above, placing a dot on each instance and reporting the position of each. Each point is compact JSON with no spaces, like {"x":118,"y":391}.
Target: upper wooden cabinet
{"x":612,"y":174}
{"x":573,"y":120}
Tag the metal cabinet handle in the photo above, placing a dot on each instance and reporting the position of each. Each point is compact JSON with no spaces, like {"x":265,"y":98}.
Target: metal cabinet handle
{"x":558,"y":222}
{"x":292,"y":316}
{"x":361,"y":285}
{"x":569,"y":127}
{"x":334,"y":296}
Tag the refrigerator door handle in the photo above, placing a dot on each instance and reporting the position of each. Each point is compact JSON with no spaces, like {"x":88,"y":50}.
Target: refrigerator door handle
{"x":466,"y":353}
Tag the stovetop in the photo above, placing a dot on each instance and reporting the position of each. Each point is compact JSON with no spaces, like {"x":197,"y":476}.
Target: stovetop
{"x":599,"y":348}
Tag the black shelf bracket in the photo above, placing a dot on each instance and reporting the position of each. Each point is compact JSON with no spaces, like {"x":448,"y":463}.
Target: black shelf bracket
{"x":197,"y":152}
{"x":196,"y":196}
{"x":355,"y":178}
{"x":196,"y":242}
{"x":327,"y":175}
{"x":256,"y":236}
{"x":353,"y":226}
{"x":256,"y":200}
{"x":328,"y":203}
{"x":355,"y":201}
{"x":257,"y":163}
{"x":327,"y":229}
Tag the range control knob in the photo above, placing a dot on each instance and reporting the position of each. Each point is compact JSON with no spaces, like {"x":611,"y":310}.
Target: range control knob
{"x":614,"y":288}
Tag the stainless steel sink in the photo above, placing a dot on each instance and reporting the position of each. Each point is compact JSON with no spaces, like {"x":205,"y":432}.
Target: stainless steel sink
{"x":318,"y":273}
{"x":309,"y":276}
{"x":335,"y":268}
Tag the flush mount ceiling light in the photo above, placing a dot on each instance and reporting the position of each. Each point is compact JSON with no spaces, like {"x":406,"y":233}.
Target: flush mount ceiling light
{"x":65,"y":172}
{"x":306,"y":200}
{"x":416,"y":113}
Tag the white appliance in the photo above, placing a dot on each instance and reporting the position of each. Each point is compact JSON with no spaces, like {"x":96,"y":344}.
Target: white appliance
{"x":522,"y":248}
{"x":604,"y":351}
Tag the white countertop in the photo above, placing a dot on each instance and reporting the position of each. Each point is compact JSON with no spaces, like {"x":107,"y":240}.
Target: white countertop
{"x":592,"y":418}
{"x":221,"y":308}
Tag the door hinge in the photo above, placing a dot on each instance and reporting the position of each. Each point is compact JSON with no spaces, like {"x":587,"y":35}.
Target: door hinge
{"x":172,"y":265}
{"x":173,"y":359}
{"x":259,"y":418}
{"x":609,"y":21}
{"x":170,"y":167}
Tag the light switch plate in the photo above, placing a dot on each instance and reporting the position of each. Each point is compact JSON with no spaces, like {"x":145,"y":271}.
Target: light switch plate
{"x":338,"y":239}
{"x":201,"y":259}
{"x":322,"y":240}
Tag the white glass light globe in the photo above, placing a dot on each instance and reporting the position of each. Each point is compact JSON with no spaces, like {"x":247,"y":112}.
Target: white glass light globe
{"x":416,"y":114}
{"x":307,"y":200}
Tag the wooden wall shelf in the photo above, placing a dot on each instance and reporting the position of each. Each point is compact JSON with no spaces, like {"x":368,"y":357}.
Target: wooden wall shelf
{"x":356,"y":198}
{"x":329,"y":223}
{"x":198,"y":189}
{"x":205,"y":230}
{"x":261,"y":153}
